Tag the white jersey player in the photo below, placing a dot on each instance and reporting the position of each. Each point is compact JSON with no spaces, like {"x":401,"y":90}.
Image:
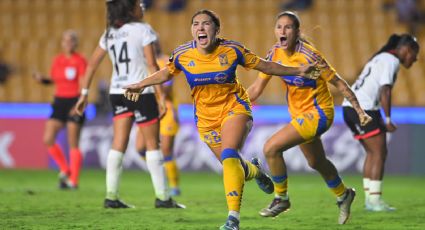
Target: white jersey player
{"x":129,"y":44}
{"x":373,"y":90}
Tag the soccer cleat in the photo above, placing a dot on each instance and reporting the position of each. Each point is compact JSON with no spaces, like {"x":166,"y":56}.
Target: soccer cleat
{"x":63,"y":181}
{"x":345,"y":205}
{"x":175,"y":192}
{"x":276,"y":207}
{"x":381,"y":206}
{"x":263,"y":180}
{"x":231,"y":224}
{"x":170,"y":203}
{"x":115,"y":204}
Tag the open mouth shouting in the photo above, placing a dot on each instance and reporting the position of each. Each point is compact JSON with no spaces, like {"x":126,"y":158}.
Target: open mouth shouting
{"x":202,"y":38}
{"x":284,"y":41}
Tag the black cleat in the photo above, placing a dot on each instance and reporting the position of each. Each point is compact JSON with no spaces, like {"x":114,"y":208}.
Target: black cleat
{"x":115,"y":204}
{"x":63,"y":181}
{"x":263,"y":180}
{"x":170,"y":203}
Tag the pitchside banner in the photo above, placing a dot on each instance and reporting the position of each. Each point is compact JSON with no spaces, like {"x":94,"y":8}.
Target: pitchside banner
{"x":21,"y":145}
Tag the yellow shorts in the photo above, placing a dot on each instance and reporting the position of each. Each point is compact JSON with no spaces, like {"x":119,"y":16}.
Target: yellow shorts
{"x":212,"y":135}
{"x":313,"y":123}
{"x":169,"y":125}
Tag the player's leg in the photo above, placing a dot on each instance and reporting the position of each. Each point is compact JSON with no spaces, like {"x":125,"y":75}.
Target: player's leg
{"x":171,"y":169}
{"x":282,"y":140}
{"x":75,"y":156}
{"x":233,"y":132}
{"x":316,"y":158}
{"x":376,"y":153}
{"x":121,"y":129}
{"x":51,"y":130}
{"x":140,"y":144}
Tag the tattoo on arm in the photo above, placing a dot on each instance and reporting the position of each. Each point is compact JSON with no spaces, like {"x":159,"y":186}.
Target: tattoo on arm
{"x":346,"y":91}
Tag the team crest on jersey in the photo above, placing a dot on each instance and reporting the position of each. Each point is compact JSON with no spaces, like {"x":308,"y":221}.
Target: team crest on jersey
{"x":220,"y":77}
{"x":222,"y":58}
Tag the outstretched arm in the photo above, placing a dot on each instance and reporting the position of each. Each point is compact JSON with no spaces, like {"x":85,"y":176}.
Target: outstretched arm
{"x":346,"y":91}
{"x":273,"y":68}
{"x":94,"y":63}
{"x":133,"y":91}
{"x":255,"y":90}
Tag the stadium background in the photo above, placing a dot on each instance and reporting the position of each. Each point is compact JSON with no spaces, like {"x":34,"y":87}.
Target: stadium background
{"x":347,"y":32}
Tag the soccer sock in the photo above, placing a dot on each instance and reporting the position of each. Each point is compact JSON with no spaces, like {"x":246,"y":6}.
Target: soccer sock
{"x":172,"y":171}
{"x":76,"y":160}
{"x":234,"y":214}
{"x":366,"y":185}
{"x":113,"y":173}
{"x":337,"y":187}
{"x":154,"y":161}
{"x":251,"y":171}
{"x":281,"y":186}
{"x":233,"y":178}
{"x":57,"y":154}
{"x":375,"y":191}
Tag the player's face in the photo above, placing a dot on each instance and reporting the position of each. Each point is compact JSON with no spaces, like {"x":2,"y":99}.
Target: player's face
{"x":68,"y":43}
{"x":204,"y":31}
{"x":286,"y":33}
{"x":410,"y":56}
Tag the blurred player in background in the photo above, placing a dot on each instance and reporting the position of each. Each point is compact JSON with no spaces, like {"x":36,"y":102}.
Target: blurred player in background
{"x":222,"y":107}
{"x":129,"y":44}
{"x":66,"y":73}
{"x":312,"y":110}
{"x":169,"y":126}
{"x":373,"y":89}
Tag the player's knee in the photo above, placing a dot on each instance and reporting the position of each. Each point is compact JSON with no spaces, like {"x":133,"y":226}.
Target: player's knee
{"x":270,"y":149}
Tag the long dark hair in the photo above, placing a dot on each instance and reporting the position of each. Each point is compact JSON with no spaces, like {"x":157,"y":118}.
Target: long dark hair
{"x":297,"y":23}
{"x":396,"y":41}
{"x":119,"y":12}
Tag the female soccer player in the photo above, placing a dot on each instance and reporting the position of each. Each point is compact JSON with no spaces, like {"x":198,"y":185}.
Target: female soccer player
{"x":312,"y":110}
{"x":66,"y":73}
{"x":129,"y":45}
{"x":222,"y":107}
{"x":373,"y":89}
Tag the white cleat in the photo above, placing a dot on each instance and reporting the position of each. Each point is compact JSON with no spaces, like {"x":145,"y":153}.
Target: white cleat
{"x":345,"y":206}
{"x":380,"y":206}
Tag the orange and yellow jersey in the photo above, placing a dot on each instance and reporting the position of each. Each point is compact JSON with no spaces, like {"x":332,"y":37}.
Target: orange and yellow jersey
{"x":303,"y":94}
{"x":215,"y":89}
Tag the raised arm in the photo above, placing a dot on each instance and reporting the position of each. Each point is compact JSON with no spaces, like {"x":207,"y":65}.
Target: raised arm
{"x":255,"y":90}
{"x":273,"y":68}
{"x":133,"y":91}
{"x":94,"y":63}
{"x":346,"y":91}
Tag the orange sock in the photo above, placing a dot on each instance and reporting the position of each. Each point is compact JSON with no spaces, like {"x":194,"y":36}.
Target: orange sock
{"x":57,"y":154}
{"x":76,"y":160}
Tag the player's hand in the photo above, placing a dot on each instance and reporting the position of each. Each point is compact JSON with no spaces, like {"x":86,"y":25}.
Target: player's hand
{"x":37,"y":76}
{"x":81,"y":105}
{"x":311,"y":71}
{"x":133,"y":91}
{"x":391,"y":127}
{"x":162,"y":108}
{"x":364,"y":119}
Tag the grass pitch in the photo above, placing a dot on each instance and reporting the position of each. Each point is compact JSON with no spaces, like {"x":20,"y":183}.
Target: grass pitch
{"x":31,"y":200}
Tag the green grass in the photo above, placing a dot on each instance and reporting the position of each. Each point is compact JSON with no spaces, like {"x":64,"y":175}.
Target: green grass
{"x":30,"y":200}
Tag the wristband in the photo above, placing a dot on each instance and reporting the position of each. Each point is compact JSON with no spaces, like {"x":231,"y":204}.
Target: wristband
{"x":84,"y":91}
{"x":387,"y":120}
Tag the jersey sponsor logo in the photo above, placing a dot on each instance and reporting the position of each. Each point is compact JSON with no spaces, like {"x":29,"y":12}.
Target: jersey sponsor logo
{"x":298,"y":81}
{"x":191,"y":63}
{"x":222,"y":58}
{"x":138,"y":117}
{"x":220,"y":77}
{"x":118,"y":36}
{"x":70,"y":73}
{"x":120,"y":109}
{"x":121,"y":78}
{"x":202,"y":79}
